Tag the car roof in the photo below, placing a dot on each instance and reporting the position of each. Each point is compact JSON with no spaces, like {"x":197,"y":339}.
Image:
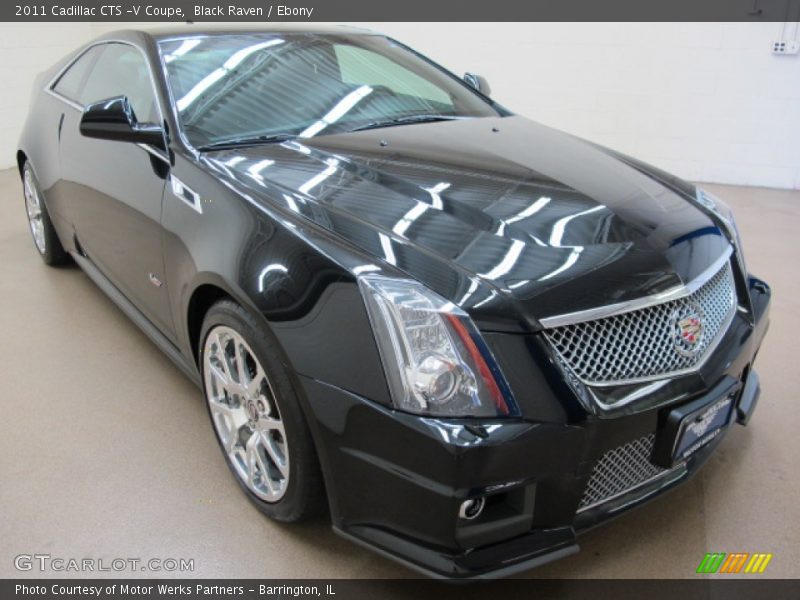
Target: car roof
{"x":163,"y":32}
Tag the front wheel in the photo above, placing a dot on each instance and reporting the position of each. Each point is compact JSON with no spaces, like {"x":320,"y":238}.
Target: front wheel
{"x":44,"y":234}
{"x":256,"y":415}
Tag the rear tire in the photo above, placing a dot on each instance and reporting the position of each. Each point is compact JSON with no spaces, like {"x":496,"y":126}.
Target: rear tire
{"x":45,"y":238}
{"x":256,"y":415}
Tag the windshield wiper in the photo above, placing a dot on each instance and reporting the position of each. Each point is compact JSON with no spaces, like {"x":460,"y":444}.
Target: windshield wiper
{"x":407,"y":120}
{"x":273,"y":138}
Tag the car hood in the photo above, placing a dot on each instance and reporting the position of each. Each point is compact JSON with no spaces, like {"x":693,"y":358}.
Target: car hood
{"x":509,"y":219}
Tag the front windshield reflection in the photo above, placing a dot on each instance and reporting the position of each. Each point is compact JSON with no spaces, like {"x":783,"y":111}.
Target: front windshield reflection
{"x":249,"y":88}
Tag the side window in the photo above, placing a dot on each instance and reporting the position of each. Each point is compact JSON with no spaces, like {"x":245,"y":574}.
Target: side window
{"x":359,"y":67}
{"x":72,"y":80}
{"x":121,"y":70}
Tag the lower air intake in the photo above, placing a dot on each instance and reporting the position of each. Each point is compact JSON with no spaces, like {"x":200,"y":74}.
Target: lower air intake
{"x":621,"y":470}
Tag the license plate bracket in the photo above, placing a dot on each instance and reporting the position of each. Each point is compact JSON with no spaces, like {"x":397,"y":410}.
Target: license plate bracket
{"x":688,"y":428}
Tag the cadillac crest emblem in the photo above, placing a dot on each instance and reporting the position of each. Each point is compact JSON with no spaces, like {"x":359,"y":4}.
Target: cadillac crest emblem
{"x":688,"y":330}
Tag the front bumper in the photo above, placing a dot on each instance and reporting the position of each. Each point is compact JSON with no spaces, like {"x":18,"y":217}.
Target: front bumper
{"x":396,"y":481}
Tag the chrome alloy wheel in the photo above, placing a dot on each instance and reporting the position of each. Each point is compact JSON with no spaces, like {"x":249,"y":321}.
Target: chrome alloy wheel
{"x":33,"y":205}
{"x":245,"y":414}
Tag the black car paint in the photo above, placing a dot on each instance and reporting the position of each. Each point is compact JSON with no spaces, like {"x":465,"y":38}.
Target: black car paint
{"x":291,"y":254}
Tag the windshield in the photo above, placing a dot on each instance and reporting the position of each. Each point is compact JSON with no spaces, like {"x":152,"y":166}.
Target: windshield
{"x":274,"y":86}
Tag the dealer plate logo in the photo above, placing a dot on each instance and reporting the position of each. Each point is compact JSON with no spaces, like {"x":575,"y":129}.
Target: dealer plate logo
{"x":702,"y":423}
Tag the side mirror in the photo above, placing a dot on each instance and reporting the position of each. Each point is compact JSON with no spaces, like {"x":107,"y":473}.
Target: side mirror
{"x":114,"y":119}
{"x":479,"y":83}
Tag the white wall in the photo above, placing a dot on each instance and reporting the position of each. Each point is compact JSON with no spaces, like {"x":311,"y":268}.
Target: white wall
{"x":706,"y":101}
{"x":25,"y":50}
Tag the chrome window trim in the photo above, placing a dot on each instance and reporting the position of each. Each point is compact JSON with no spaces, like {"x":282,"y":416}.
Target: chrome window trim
{"x":64,"y":99}
{"x":50,"y":85}
{"x":612,"y":310}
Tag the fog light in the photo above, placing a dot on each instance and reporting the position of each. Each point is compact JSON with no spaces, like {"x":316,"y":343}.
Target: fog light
{"x":472,"y":509}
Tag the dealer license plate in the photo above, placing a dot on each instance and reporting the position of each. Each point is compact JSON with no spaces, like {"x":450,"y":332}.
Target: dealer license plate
{"x":700,"y":427}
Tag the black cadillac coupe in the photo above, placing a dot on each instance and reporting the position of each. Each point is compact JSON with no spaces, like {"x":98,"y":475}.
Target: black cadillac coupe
{"x":471,"y":336}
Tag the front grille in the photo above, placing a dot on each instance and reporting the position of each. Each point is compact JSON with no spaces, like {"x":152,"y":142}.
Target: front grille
{"x":646,"y":343}
{"x":621,"y":470}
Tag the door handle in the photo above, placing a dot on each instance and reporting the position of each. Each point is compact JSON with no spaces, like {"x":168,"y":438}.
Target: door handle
{"x":60,"y":126}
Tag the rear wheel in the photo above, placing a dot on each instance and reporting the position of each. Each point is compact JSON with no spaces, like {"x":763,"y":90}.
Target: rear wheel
{"x":256,"y":415}
{"x":44,"y":234}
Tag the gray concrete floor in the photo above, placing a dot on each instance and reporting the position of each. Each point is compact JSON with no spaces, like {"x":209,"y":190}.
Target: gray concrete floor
{"x":106,"y":450}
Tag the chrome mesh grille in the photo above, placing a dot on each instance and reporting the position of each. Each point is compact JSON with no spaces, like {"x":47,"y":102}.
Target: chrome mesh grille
{"x":645,"y":343}
{"x":621,"y":470}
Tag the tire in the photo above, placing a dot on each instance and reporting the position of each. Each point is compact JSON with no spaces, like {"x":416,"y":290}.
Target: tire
{"x":257,"y":417}
{"x":45,"y":238}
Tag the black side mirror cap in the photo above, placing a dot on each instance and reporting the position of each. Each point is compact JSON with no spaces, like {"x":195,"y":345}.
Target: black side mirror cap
{"x":114,"y":119}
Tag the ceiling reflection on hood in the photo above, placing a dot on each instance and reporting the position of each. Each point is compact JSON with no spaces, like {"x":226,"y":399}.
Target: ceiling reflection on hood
{"x":481,"y":235}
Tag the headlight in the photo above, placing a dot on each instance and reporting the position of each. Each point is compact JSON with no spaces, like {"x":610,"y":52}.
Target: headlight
{"x":435,"y":360}
{"x":724,"y":212}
